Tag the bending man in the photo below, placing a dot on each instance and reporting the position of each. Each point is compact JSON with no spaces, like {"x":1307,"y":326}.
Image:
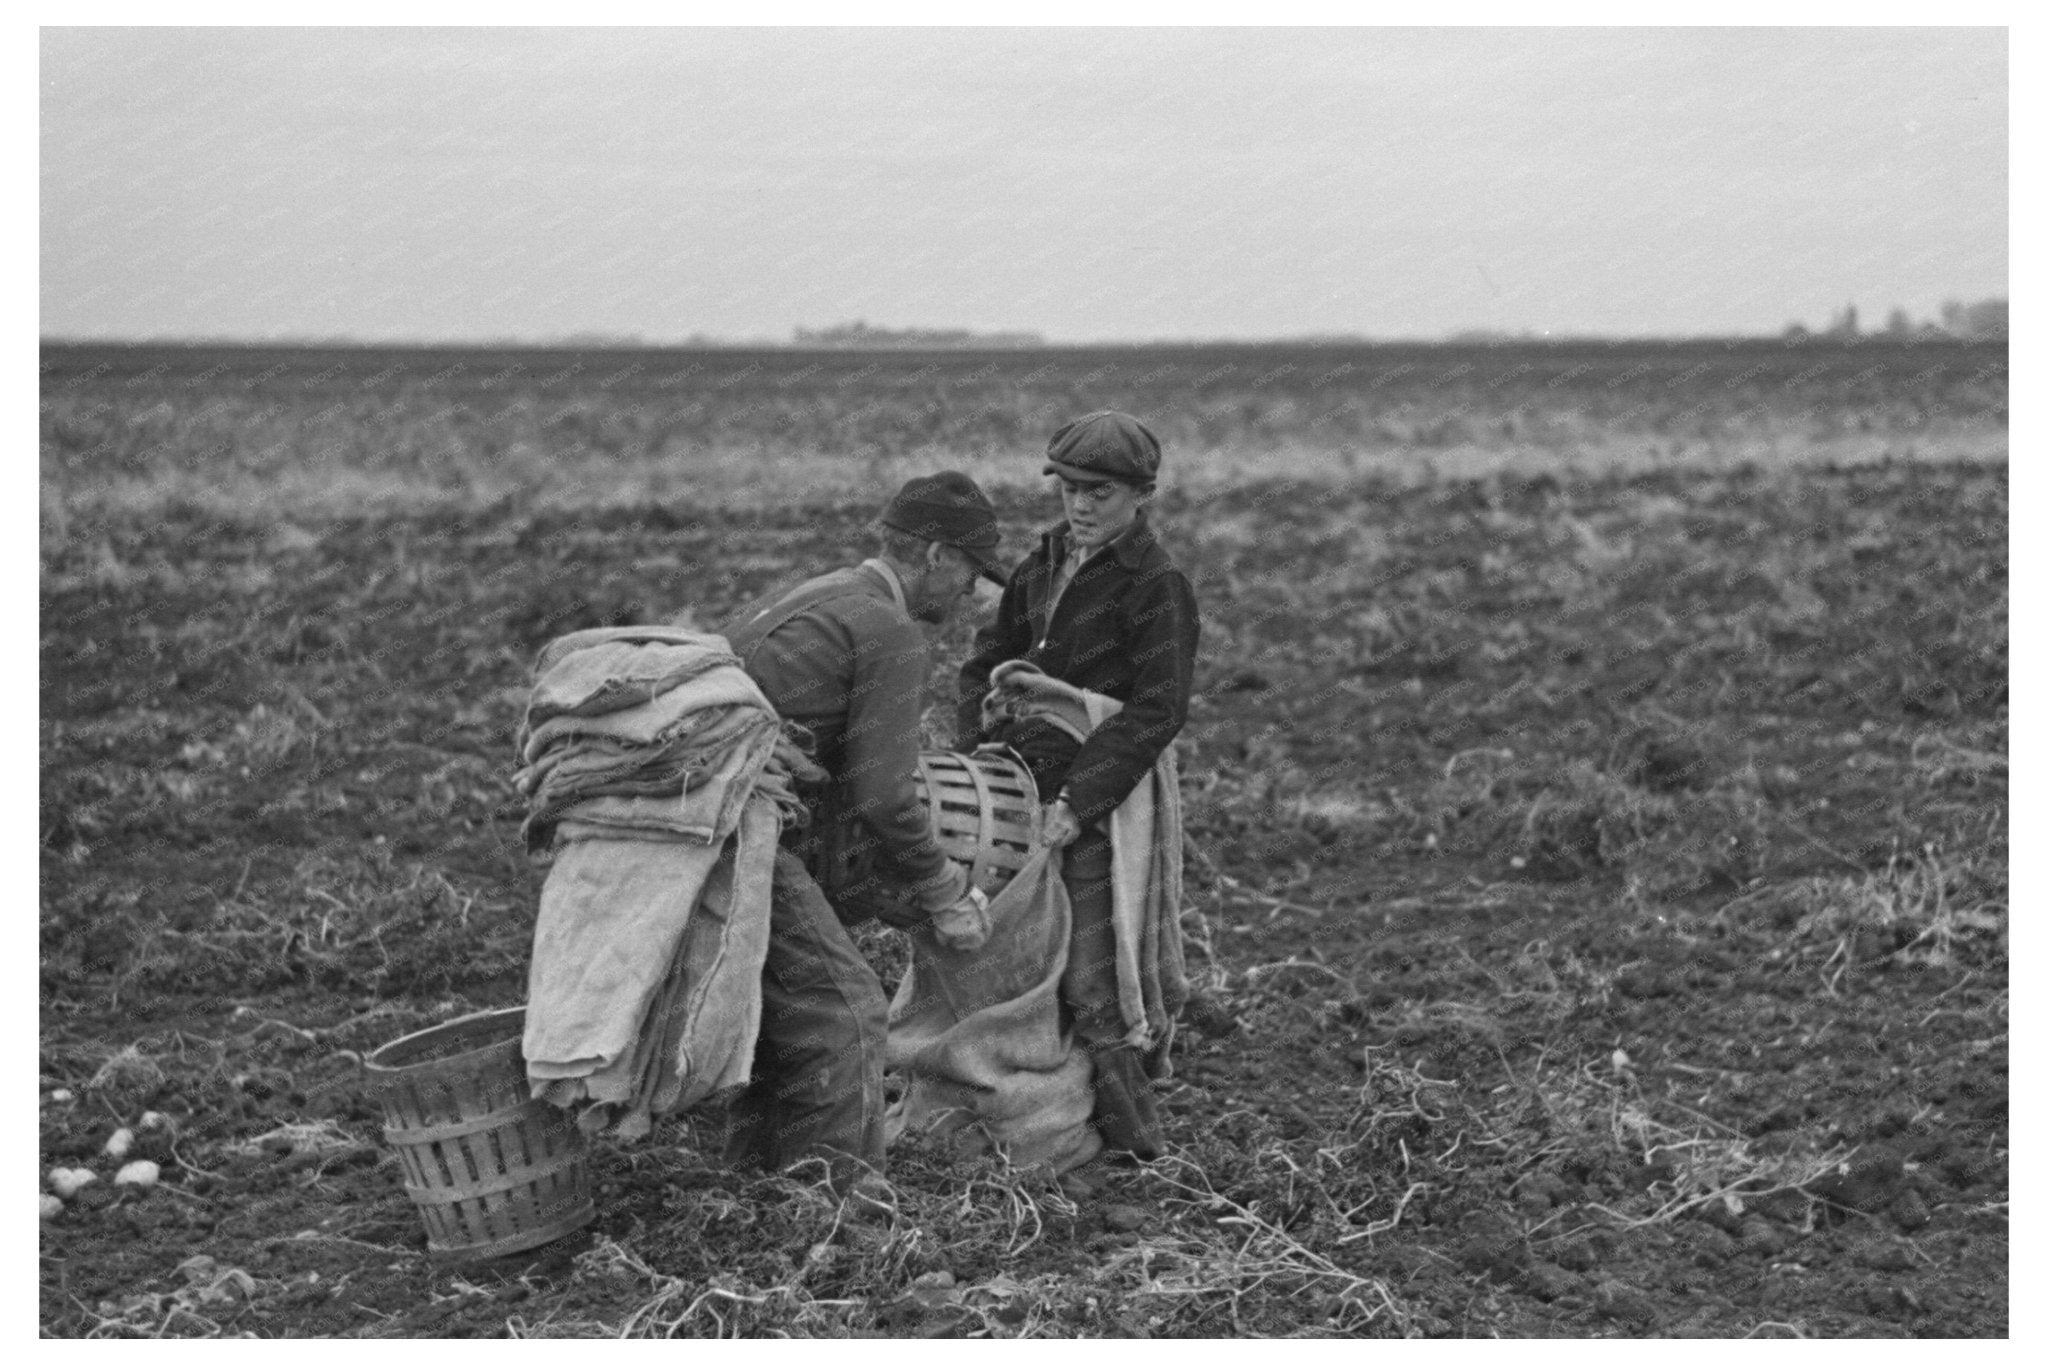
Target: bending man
{"x":843,"y":656}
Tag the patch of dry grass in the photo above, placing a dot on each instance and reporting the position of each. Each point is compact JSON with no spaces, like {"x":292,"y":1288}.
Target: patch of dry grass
{"x":321,"y":434}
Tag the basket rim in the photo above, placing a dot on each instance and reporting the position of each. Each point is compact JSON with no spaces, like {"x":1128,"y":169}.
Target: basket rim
{"x":383,"y":1063}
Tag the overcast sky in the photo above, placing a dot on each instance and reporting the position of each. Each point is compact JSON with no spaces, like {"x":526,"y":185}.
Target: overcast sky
{"x":470,"y":184}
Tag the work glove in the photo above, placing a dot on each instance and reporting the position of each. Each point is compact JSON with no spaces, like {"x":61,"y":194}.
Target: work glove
{"x":963,"y":926}
{"x":903,"y":907}
{"x":1060,"y":828}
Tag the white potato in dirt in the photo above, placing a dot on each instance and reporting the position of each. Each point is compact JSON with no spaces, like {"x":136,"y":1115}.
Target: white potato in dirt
{"x":69,"y":1180}
{"x":120,"y":1144}
{"x":142,"y":1173}
{"x":52,"y":1206}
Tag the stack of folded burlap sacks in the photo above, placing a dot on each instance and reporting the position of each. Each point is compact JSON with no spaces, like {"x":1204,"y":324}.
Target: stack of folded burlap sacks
{"x":660,"y":778}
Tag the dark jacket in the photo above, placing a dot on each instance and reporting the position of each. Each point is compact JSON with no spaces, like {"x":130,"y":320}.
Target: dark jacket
{"x":838,"y":656}
{"x":1125,"y":627}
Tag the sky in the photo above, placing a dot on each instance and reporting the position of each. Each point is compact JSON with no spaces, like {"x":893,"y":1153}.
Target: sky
{"x":422,"y":185}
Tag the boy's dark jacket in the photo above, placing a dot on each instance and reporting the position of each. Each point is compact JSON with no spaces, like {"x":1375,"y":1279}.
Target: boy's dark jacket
{"x":1126,"y":627}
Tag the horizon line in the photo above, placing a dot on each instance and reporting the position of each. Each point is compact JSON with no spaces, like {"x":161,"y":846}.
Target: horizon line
{"x":1472,"y":337}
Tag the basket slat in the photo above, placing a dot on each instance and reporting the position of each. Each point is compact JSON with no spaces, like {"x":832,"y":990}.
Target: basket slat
{"x":511,"y":1180}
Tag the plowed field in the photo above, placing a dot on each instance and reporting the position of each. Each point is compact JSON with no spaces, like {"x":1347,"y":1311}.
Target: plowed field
{"x":1598,"y":888}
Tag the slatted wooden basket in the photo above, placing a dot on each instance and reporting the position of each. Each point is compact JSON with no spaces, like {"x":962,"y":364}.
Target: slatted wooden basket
{"x":985,"y":808}
{"x":492,"y":1170}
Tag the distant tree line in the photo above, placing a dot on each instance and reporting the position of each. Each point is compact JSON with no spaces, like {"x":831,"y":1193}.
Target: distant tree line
{"x":860,"y":334}
{"x":1984,"y":320}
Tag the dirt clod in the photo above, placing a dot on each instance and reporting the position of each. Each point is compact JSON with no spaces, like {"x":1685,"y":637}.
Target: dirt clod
{"x":1578,"y":1256}
{"x":1551,"y":1283}
{"x":1885,"y":1256}
{"x":1762,"y":1241}
{"x":1613,"y":1299}
{"x":1910,"y":1211}
{"x":1871,"y":1180}
{"x":1123,"y":1217}
{"x":1721,"y":1214}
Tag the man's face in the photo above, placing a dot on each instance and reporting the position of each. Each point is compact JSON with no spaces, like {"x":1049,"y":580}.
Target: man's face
{"x":948,"y":580}
{"x":1098,"y":513}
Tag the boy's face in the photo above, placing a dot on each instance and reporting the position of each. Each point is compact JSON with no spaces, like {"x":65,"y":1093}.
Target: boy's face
{"x":1097,"y":513}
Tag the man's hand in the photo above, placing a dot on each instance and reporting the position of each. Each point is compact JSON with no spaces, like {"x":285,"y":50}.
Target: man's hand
{"x":905,"y":907}
{"x":963,"y":926}
{"x":1061,"y":828}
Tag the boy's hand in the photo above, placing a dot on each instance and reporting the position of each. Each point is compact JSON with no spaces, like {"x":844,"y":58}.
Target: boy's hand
{"x":1061,"y":828}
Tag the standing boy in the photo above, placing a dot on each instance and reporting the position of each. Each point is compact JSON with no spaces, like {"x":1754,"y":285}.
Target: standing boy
{"x":1098,"y":605}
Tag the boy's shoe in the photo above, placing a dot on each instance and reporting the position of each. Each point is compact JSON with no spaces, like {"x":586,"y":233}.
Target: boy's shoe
{"x":1124,"y":1112}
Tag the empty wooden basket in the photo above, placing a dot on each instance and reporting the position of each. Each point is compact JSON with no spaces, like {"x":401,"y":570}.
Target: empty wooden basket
{"x":492,"y":1170}
{"x":985,"y":808}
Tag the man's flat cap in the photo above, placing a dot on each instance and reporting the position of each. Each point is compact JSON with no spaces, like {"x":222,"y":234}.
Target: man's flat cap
{"x":1104,"y":446}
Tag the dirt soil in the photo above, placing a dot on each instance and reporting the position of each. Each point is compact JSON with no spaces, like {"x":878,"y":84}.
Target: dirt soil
{"x":1598,"y":907}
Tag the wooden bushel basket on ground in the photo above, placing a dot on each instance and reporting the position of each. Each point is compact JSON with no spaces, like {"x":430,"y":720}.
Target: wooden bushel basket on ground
{"x":492,"y":1170}
{"x":985,"y":807}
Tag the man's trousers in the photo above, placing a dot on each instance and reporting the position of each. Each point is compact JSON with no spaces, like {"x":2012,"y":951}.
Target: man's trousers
{"x":817,"y":1083}
{"x":1124,"y":1110}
